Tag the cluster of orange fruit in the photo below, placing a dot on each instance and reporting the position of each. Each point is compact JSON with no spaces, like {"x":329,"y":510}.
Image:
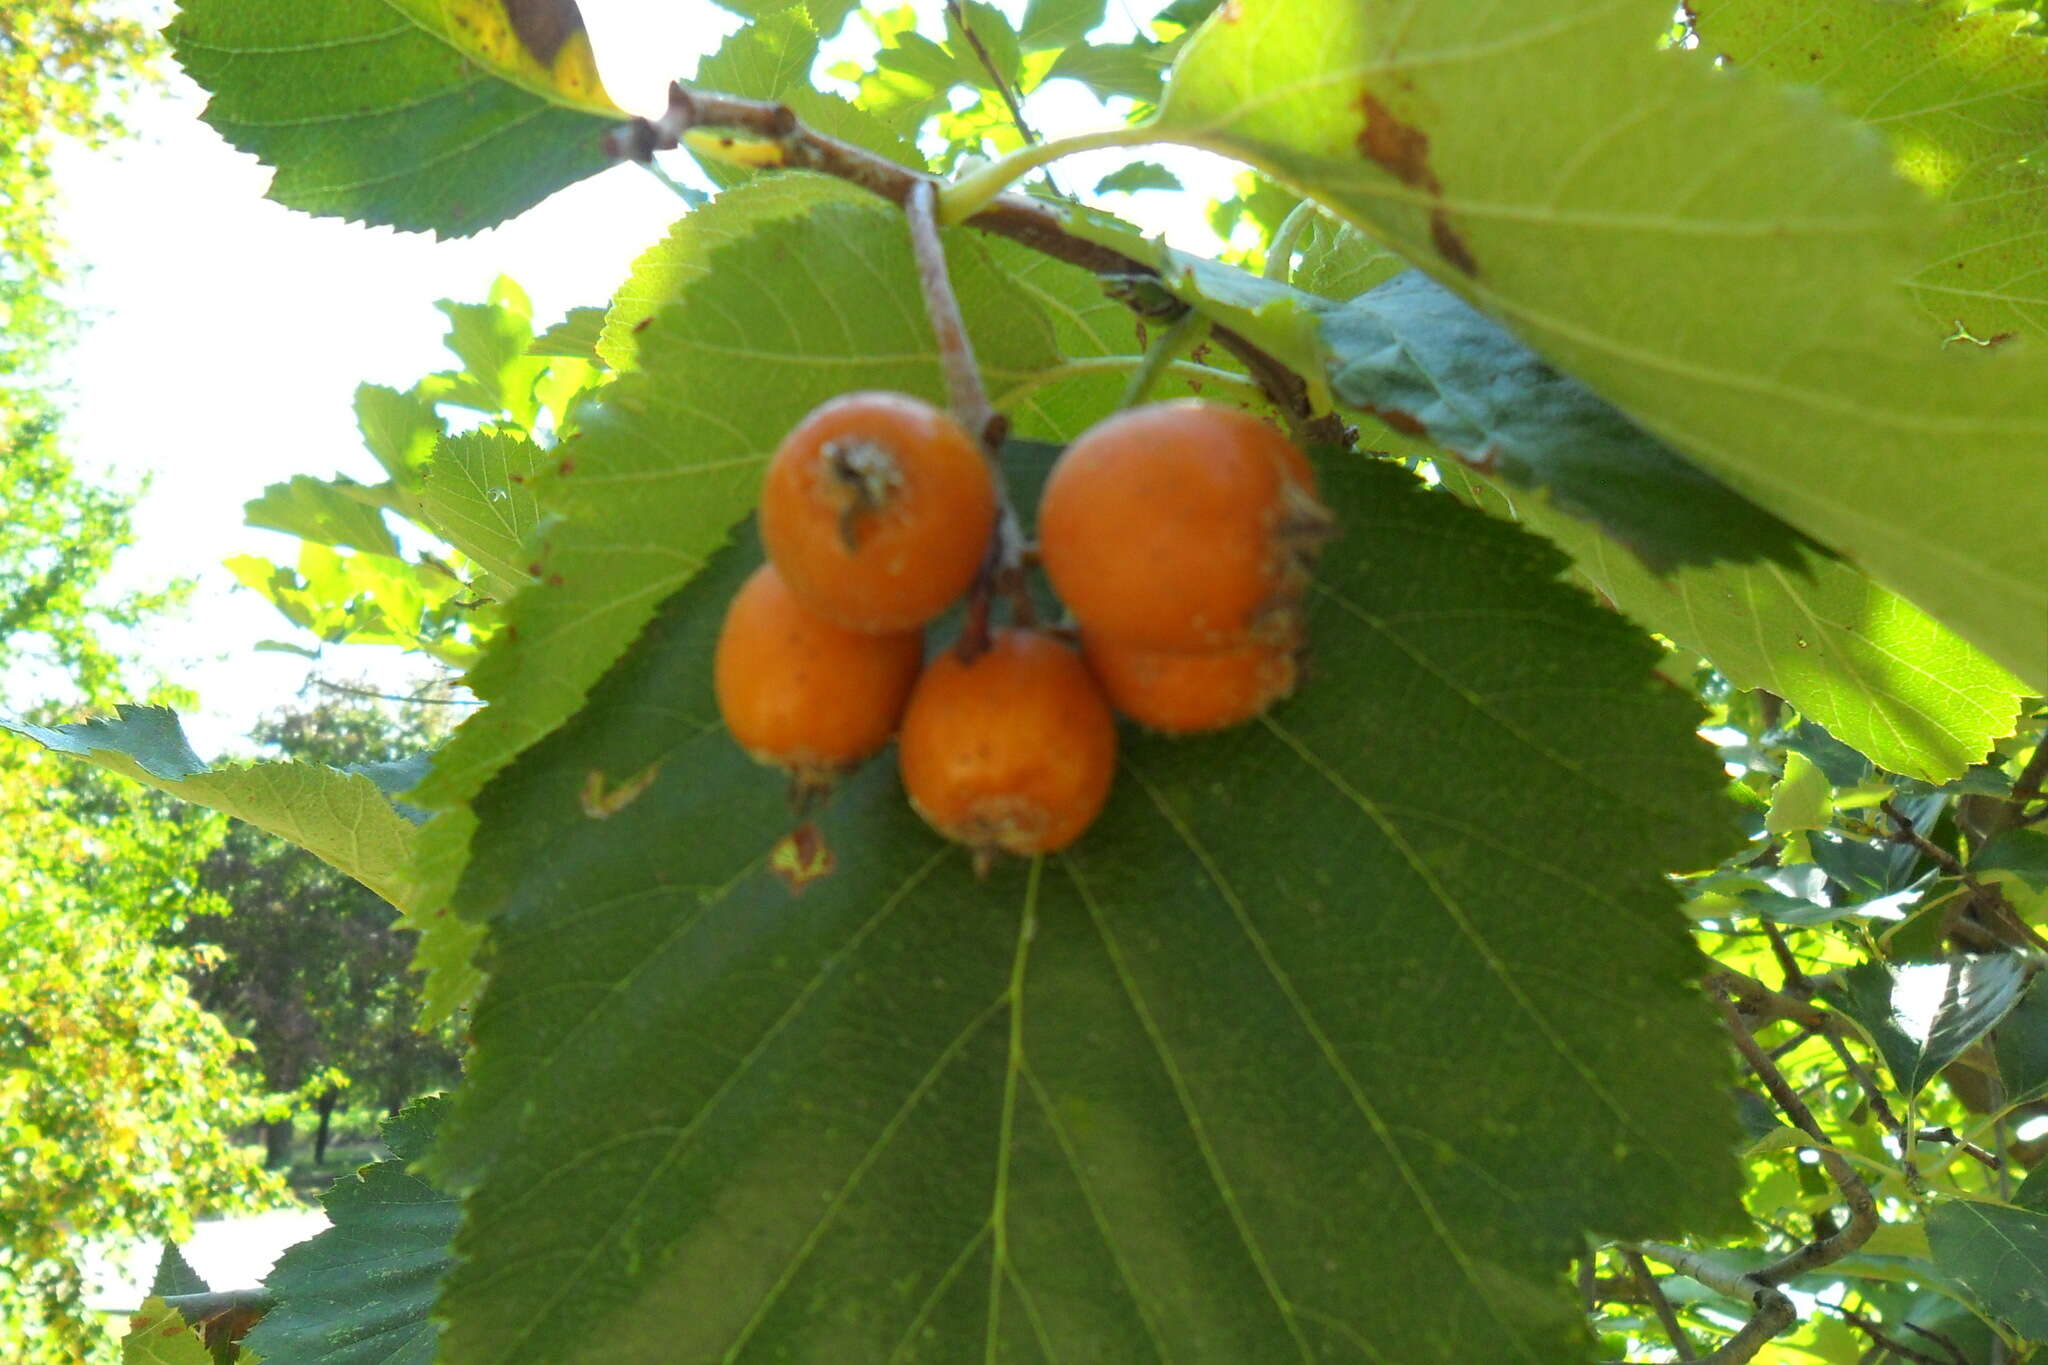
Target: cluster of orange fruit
{"x":1178,"y":534}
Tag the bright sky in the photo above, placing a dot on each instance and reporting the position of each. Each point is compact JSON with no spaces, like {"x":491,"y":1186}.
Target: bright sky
{"x":227,"y":334}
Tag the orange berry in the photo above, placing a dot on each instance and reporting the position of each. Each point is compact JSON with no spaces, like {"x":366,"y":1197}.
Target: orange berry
{"x":877,"y":510}
{"x":801,"y":693}
{"x":1186,"y":693}
{"x":1014,"y":751}
{"x":1181,"y":526}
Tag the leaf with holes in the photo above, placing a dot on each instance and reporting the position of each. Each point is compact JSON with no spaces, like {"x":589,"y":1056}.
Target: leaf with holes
{"x":428,"y":115}
{"x":1292,"y":1055}
{"x":1742,"y":306}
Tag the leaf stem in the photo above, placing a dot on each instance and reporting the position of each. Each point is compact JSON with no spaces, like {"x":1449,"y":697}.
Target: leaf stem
{"x":1172,"y":339}
{"x":1280,"y":252}
{"x":976,"y":190}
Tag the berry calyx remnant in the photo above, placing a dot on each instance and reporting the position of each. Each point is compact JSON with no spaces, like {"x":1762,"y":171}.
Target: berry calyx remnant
{"x":1181,"y":694}
{"x":877,"y":510}
{"x":1012,"y":752}
{"x":803,"y":694}
{"x":1183,"y":526}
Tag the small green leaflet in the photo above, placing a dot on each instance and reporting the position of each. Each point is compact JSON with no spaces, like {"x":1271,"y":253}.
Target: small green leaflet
{"x":1802,"y":798}
{"x":2020,"y":851}
{"x":359,"y":1293}
{"x":2021,"y":1047}
{"x":477,"y":496}
{"x":1977,"y":994}
{"x":329,"y":512}
{"x":1544,"y":160}
{"x":1292,"y":1056}
{"x":428,"y":115}
{"x":158,"y":1335}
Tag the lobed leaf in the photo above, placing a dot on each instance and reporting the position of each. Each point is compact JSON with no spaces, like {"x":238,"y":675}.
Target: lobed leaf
{"x":1298,"y":1052}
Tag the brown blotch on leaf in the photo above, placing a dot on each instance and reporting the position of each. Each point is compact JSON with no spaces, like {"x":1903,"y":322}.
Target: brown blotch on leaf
{"x":567,"y":466}
{"x":544,"y":25}
{"x":601,"y":803}
{"x":1449,"y":244}
{"x":1400,"y":147}
{"x":801,"y":857}
{"x":1405,"y":423}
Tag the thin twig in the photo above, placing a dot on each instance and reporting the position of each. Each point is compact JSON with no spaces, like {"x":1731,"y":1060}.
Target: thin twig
{"x":1589,"y":1271}
{"x":1795,"y":978}
{"x":1990,"y":1160}
{"x":1003,"y":570}
{"x":1873,"y":1329}
{"x":1022,"y":220}
{"x":366,"y":693}
{"x":1666,"y":1315}
{"x":1905,"y":832}
{"x":1772,"y":1311}
{"x":1761,"y":1000}
{"x":1002,"y":87}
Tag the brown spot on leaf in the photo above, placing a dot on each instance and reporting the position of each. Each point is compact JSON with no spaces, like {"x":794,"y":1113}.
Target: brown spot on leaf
{"x":567,"y":466}
{"x":1400,"y":147}
{"x":1400,"y":421}
{"x":544,"y":25}
{"x":1403,"y":149}
{"x":801,"y":857}
{"x":643,"y":324}
{"x":1449,"y":244}
{"x":602,"y":803}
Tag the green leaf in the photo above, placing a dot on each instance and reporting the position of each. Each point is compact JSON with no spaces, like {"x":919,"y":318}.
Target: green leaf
{"x":1135,"y":70}
{"x":478,"y":498}
{"x":2001,"y":1253}
{"x":997,"y":39}
{"x":331,"y":512}
{"x":1058,"y":23}
{"x":339,"y":817}
{"x":158,"y":1335}
{"x":1977,"y":994}
{"x":1744,"y":309}
{"x":668,"y":458}
{"x":1961,"y":97}
{"x":359,"y":1293}
{"x":2020,"y":851}
{"x":1293,"y":1054}
{"x":574,"y":337}
{"x":1895,"y":684}
{"x":771,"y":59}
{"x":418,"y":114}
{"x":1138,"y":175}
{"x":174,"y":1274}
{"x":1420,"y":358}
{"x":2021,"y":1047}
{"x":400,"y":429}
{"x":1802,"y":799}
{"x":2033,"y":1191}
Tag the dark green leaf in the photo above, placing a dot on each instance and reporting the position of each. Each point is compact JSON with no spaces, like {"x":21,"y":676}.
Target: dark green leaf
{"x":1977,"y":993}
{"x":2023,"y":852}
{"x":2021,"y":1046}
{"x":2000,"y":1253}
{"x":1139,"y":175}
{"x":2033,"y":1191}
{"x":174,"y":1275}
{"x":359,"y":1293}
{"x":1414,"y":353}
{"x":1843,"y":765}
{"x":372,"y":114}
{"x":328,"y":512}
{"x":1293,"y":1055}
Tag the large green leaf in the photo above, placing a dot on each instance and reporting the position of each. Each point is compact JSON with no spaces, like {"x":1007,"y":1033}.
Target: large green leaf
{"x":770,"y":315}
{"x":2001,"y":1253}
{"x":1977,"y":994}
{"x":1962,"y":98}
{"x":441,"y":115}
{"x":1740,"y":302}
{"x":1309,"y":1049}
{"x":2021,"y":1047}
{"x":359,"y":1292}
{"x":1882,"y":675}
